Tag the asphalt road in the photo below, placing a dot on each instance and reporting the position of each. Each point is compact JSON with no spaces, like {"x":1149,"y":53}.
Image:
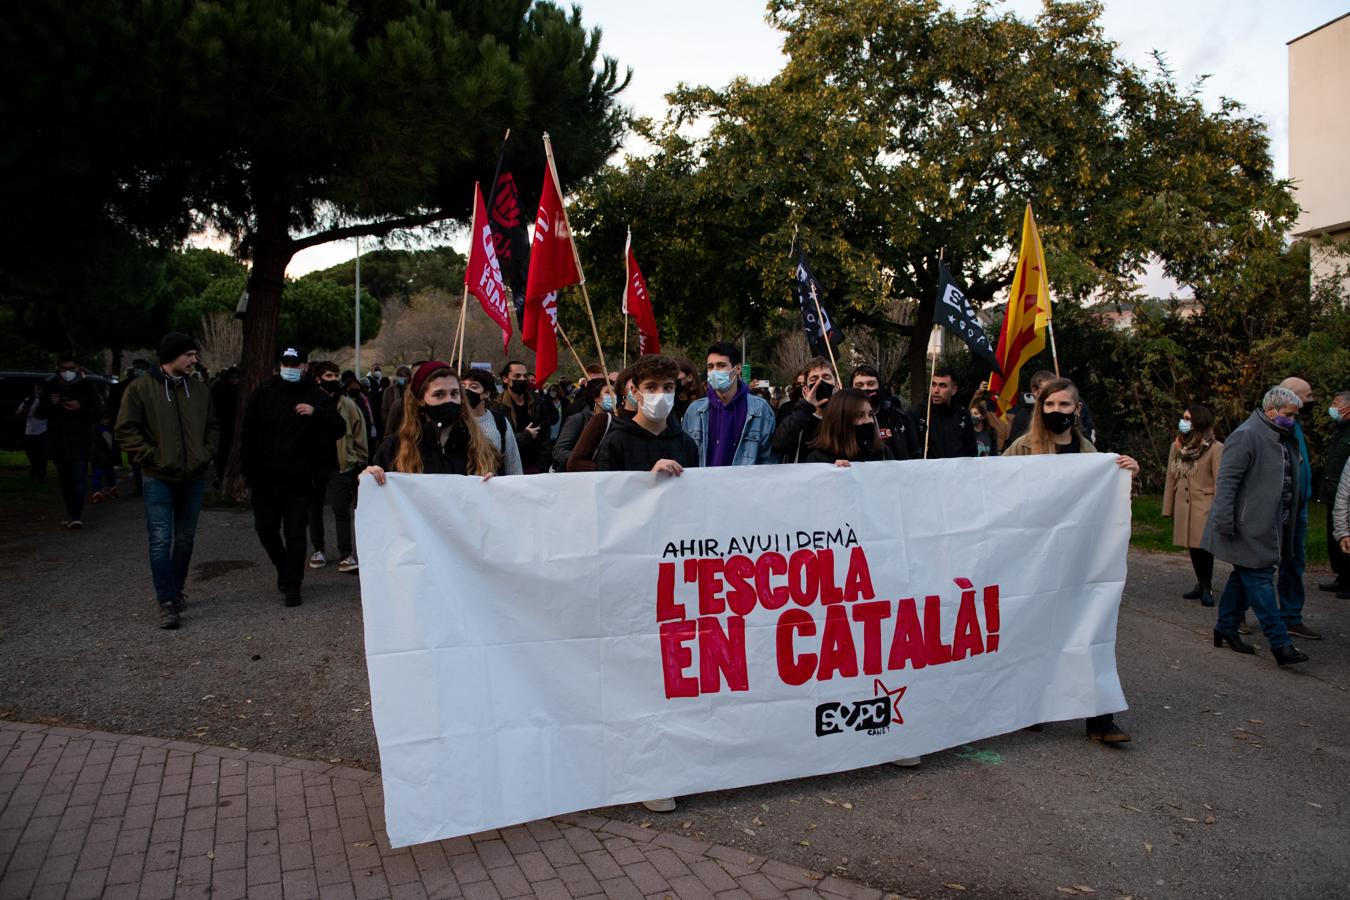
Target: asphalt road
{"x":1236,"y":784}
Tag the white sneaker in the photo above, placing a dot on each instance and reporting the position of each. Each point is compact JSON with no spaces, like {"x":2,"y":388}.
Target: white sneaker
{"x":907,"y":762}
{"x":665,"y":804}
{"x":349,"y":565}
{"x":318,"y":560}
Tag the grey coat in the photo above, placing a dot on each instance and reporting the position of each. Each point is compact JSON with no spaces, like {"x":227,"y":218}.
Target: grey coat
{"x":1244,"y":525}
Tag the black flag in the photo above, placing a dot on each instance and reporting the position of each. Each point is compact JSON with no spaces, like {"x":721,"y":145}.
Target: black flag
{"x":510,"y":238}
{"x":954,"y":313}
{"x":818,"y":329}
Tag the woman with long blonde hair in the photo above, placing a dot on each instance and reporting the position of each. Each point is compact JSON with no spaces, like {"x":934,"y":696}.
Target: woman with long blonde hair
{"x":435,"y":436}
{"x":1054,"y":429}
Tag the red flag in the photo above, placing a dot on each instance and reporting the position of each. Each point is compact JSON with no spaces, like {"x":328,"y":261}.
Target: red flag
{"x":546,"y":354}
{"x":483,"y":275}
{"x":638,"y":304}
{"x":553,"y":266}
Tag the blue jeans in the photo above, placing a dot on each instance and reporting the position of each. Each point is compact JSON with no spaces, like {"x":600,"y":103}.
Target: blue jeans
{"x":1254,"y":587}
{"x":171,"y":509}
{"x":1292,"y":561}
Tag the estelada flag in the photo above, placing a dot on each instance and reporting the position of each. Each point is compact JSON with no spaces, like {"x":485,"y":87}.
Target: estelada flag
{"x":483,"y":275}
{"x":1024,"y":322}
{"x":638,"y":303}
{"x":553,"y":266}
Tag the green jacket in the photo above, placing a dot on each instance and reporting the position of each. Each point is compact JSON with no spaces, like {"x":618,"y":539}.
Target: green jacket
{"x":168,"y":427}
{"x":352,"y":449}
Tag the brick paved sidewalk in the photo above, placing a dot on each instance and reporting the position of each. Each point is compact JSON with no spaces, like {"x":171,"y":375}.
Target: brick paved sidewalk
{"x":91,"y":814}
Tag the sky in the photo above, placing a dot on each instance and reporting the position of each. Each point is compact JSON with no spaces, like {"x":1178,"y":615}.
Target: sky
{"x":1239,"y":44}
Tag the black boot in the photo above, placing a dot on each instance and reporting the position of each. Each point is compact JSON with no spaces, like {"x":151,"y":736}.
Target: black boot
{"x":1288,"y":656}
{"x":1193,"y":593}
{"x":1233,"y":641}
{"x":1207,"y":596}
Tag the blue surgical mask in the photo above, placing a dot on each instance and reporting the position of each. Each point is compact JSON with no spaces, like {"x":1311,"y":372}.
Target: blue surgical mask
{"x":720,"y":379}
{"x":632,"y":399}
{"x":290,"y":374}
{"x":1334,"y":413}
{"x":1184,"y":426}
{"x":68,"y":375}
{"x":607,"y":403}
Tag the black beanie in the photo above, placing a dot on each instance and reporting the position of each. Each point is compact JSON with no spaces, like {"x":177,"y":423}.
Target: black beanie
{"x":175,"y":344}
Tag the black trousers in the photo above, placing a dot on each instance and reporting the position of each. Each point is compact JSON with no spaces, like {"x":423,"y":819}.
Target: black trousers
{"x":1340,"y":563}
{"x":1202,"y":561}
{"x":279,"y":518}
{"x":74,"y":474}
{"x":339,"y":492}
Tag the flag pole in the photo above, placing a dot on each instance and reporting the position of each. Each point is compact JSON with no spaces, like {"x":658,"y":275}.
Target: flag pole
{"x":1054,"y":353}
{"x":456,"y":353}
{"x":580,"y":366}
{"x":457,"y":349}
{"x":627,"y":274}
{"x":820,"y":323}
{"x":928,"y":420}
{"x":595,"y":330}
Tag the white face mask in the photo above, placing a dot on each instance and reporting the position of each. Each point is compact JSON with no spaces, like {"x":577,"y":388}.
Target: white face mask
{"x":657,"y":405}
{"x":69,"y":376}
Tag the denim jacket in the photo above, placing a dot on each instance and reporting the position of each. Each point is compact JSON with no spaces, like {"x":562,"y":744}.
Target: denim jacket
{"x":755,"y":448}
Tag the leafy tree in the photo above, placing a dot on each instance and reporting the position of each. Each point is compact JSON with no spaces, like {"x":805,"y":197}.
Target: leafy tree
{"x":899,"y":132}
{"x":285,"y":124}
{"x":317,"y":313}
{"x":399,"y":275}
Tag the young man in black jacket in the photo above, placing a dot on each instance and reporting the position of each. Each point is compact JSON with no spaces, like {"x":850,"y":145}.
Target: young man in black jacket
{"x":951,"y":433}
{"x":72,"y":407}
{"x":530,"y":416}
{"x":289,"y":434}
{"x":898,"y":431}
{"x":799,"y":420}
{"x":650,"y":441}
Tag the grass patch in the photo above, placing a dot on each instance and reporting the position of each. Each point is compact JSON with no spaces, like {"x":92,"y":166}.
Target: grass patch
{"x":1153,"y":532}
{"x":14,"y":480}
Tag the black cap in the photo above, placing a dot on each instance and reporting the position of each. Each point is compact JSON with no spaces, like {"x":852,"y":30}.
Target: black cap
{"x":175,"y":344}
{"x":292,"y":356}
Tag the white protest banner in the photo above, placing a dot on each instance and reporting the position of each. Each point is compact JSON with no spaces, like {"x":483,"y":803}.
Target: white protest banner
{"x":545,"y":644}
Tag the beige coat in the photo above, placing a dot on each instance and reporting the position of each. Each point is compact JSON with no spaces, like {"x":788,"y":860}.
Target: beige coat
{"x":1187,"y":500}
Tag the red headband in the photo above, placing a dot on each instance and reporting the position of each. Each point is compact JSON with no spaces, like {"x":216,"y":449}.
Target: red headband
{"x":423,"y":371}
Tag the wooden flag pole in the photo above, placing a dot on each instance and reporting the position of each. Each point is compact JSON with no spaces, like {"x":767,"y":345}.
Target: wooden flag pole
{"x":457,"y":350}
{"x":820,"y":323}
{"x":581,"y":366}
{"x":928,"y":421}
{"x":595,"y":330}
{"x":627,"y":279}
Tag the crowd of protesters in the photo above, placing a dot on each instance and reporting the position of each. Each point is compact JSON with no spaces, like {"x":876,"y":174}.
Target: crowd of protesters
{"x":312,"y":434}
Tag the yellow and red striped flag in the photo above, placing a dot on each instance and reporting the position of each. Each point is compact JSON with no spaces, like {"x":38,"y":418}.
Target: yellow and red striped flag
{"x":1026,"y":319}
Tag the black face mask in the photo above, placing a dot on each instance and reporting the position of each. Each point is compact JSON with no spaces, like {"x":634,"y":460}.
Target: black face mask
{"x":473,"y":398}
{"x":1060,"y":422}
{"x":866,"y":436}
{"x":442,"y":414}
{"x":824,"y":390}
{"x":331,"y":387}
{"x":519,"y":387}
{"x":354,"y":390}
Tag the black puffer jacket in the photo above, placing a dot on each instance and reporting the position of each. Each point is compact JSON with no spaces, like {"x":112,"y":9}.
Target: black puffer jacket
{"x":631,"y":448}
{"x":280,"y":449}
